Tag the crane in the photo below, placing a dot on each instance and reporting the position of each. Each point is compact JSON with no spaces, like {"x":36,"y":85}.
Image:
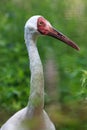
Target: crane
{"x":33,"y":116}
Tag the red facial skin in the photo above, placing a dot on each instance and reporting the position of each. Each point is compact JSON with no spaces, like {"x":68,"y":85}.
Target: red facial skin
{"x":45,"y":28}
{"x":42,"y":26}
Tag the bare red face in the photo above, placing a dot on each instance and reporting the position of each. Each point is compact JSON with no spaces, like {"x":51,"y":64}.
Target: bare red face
{"x":45,"y":28}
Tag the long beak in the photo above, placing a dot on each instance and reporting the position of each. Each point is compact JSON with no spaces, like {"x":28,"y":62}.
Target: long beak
{"x":56,"y":34}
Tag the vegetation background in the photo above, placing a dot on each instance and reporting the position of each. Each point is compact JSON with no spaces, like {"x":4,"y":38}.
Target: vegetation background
{"x":65,"y":69}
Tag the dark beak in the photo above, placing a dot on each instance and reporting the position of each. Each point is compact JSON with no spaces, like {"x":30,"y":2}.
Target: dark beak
{"x":56,"y":34}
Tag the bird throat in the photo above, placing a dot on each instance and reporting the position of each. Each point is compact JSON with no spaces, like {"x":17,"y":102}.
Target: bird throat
{"x":36,"y":98}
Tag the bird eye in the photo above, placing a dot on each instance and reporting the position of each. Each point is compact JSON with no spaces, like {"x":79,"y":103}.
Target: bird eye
{"x":40,"y":23}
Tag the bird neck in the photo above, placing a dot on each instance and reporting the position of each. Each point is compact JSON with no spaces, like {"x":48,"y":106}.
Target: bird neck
{"x":36,"y":98}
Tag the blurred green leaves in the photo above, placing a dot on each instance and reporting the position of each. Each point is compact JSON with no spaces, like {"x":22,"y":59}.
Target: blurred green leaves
{"x":68,"y":17}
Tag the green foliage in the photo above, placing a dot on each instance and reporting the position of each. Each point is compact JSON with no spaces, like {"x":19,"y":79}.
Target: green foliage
{"x":70,"y":19}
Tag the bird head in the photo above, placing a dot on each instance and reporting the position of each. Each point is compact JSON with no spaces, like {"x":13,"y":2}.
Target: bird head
{"x":39,"y":25}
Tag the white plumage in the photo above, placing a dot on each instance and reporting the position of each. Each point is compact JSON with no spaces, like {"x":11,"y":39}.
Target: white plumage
{"x":33,"y":116}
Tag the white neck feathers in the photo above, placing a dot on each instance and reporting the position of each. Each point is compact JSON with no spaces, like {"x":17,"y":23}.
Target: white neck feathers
{"x":36,"y":99}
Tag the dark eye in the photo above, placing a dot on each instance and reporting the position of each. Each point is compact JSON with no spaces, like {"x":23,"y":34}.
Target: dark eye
{"x":40,"y":23}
